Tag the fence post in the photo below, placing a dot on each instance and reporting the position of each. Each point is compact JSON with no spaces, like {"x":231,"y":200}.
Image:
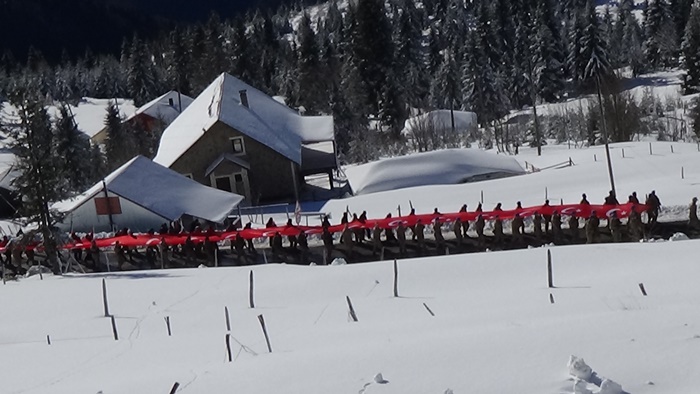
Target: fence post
{"x":228,"y":347}
{"x":251,"y":290}
{"x":264,"y":328}
{"x":650,"y":151}
{"x":644,"y":291}
{"x":104,"y":297}
{"x":175,"y":387}
{"x":228,"y":321}
{"x":396,"y":279}
{"x":353,"y":315}
{"x":114,"y":329}
{"x":167,"y":324}
{"x":682,"y":173}
{"x":550,"y":280}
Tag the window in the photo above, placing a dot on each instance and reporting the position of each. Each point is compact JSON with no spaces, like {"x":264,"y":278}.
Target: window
{"x":238,"y":178}
{"x":223,"y":183}
{"x":237,"y":145}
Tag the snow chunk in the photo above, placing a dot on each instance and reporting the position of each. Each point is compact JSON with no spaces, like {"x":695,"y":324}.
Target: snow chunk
{"x":678,"y":237}
{"x":378,"y":378}
{"x":610,"y":387}
{"x":581,"y":387}
{"x":339,"y":261}
{"x":579,"y":369}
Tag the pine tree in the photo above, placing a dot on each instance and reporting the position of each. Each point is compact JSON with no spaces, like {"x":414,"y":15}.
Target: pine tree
{"x":373,"y":48}
{"x":121,"y":145}
{"x":482,"y":91}
{"x":660,"y":45}
{"x":691,"y":52}
{"x":310,"y":91}
{"x":594,"y":47}
{"x":177,"y":74}
{"x":549,"y":72}
{"x":74,"y":153}
{"x":141,"y":79}
{"x":42,"y":180}
{"x":447,"y":85}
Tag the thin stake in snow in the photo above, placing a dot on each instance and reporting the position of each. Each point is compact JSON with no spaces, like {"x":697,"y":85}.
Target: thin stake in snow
{"x":551,"y":298}
{"x":167,"y":324}
{"x":353,"y":315}
{"x":482,"y":197}
{"x":546,"y":193}
{"x":595,"y":158}
{"x":650,"y":151}
{"x":682,"y":173}
{"x":428,"y":309}
{"x":571,"y":162}
{"x":48,"y":340}
{"x":104,"y":298}
{"x":550,"y":280}
{"x":175,"y":387}
{"x":228,"y":347}
{"x":396,"y":279}
{"x":228,"y":321}
{"x":264,"y":328}
{"x":399,"y":208}
{"x":623,"y":153}
{"x":644,"y":291}
{"x":671,"y":148}
{"x":114,"y":329}
{"x":251,"y":290}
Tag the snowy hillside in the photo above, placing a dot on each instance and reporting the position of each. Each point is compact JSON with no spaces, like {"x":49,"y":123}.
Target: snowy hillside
{"x":637,"y":171}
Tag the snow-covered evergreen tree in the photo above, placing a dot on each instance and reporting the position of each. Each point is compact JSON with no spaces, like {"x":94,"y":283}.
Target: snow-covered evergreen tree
{"x":691,"y":51}
{"x":74,"y":153}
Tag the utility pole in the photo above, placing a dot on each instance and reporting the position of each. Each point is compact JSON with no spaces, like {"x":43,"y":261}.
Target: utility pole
{"x":605,"y":132}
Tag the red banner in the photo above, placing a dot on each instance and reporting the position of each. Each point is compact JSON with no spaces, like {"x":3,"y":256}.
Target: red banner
{"x":578,"y":210}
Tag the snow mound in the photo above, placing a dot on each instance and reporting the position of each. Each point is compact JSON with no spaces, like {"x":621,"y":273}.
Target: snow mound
{"x":444,"y":167}
{"x":339,"y":261}
{"x":35,"y":270}
{"x":679,"y":237}
{"x":440,"y":120}
{"x":578,"y":368}
{"x":610,"y":387}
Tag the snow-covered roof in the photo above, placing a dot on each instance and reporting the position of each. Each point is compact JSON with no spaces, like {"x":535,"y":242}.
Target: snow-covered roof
{"x":264,"y":120}
{"x":450,"y":166}
{"x":441,"y":119}
{"x":160,"y":107}
{"x":162,"y":191}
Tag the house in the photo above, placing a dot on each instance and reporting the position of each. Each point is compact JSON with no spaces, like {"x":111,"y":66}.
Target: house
{"x":236,"y":138}
{"x":142,"y":195}
{"x":153,"y":115}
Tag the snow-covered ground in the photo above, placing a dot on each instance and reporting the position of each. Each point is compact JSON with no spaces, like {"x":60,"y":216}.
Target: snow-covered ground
{"x":494,"y":329}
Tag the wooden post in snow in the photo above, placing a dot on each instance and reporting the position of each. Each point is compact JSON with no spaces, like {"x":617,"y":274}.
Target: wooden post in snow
{"x":650,"y":151}
{"x":482,"y":197}
{"x":228,"y":347}
{"x":551,"y":298}
{"x":396,"y":279}
{"x":550,"y":280}
{"x":671,"y":148}
{"x":353,"y":315}
{"x":429,"y":310}
{"x":595,"y":158}
{"x":167,"y":324}
{"x":114,"y":329}
{"x":228,"y":321}
{"x":264,"y":328}
{"x":48,"y":340}
{"x":644,"y":291}
{"x":175,"y":387}
{"x":251,"y":290}
{"x":623,"y":153}
{"x":682,"y":173}
{"x":104,"y":298}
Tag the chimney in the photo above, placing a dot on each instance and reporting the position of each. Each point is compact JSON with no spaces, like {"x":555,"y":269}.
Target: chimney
{"x":244,"y":98}
{"x":171,"y":102}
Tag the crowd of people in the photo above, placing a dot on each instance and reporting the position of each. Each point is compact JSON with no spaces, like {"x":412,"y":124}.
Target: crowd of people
{"x":433,"y":236}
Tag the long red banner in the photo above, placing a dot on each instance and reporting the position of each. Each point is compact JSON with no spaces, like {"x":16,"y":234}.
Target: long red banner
{"x":578,"y":210}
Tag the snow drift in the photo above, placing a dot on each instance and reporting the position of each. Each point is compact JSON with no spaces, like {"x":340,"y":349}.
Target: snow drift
{"x":443,"y":167}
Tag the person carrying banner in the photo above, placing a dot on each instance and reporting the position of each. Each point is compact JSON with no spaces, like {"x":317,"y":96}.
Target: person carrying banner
{"x":693,"y":214}
{"x":653,"y":205}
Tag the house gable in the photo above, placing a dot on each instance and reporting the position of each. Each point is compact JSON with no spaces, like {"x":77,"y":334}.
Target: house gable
{"x":270,"y":175}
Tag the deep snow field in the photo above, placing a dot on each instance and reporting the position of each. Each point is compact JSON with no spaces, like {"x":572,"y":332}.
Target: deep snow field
{"x":494,"y":329}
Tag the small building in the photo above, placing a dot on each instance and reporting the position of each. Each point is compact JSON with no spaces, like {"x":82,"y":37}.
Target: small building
{"x":236,"y":138}
{"x":158,"y":113}
{"x":142,"y":195}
